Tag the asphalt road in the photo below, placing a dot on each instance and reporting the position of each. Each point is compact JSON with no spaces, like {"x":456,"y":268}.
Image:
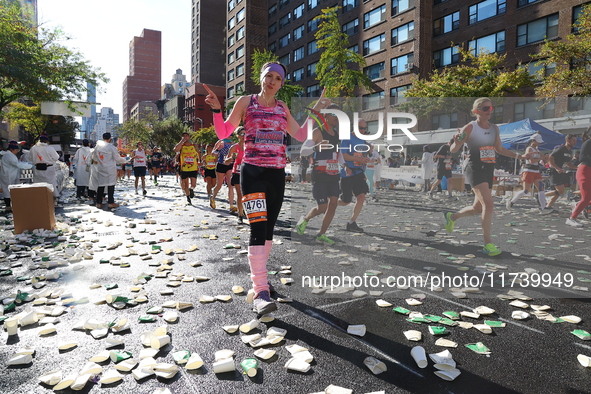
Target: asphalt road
{"x":404,"y":237}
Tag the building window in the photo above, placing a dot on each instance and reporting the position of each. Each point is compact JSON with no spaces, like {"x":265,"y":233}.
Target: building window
{"x":577,"y":12}
{"x":446,"y":24}
{"x":403,"y":33}
{"x":374,"y":44}
{"x":348,"y":5}
{"x":312,"y":4}
{"x":537,"y":30}
{"x":240,"y":52}
{"x":492,"y":43}
{"x":240,"y":88}
{"x":231,"y":58}
{"x":435,"y":2}
{"x":354,"y":48}
{"x":231,"y":23}
{"x":284,"y":41}
{"x":285,"y":60}
{"x":231,"y":40}
{"x":402,"y":64}
{"x":374,"y":16}
{"x":538,"y":72}
{"x":533,"y":110}
{"x":298,"y":33}
{"x":240,"y":15}
{"x":272,"y":46}
{"x":312,"y":48}
{"x":230,"y":75}
{"x":231,"y":5}
{"x":240,"y":33}
{"x":313,"y":25}
{"x":373,"y":101}
{"x":313,"y":91}
{"x":298,"y":12}
{"x":375,"y":71}
{"x":486,"y":9}
{"x":445,"y":57}
{"x":576,"y":104}
{"x":284,"y":20}
{"x":272,"y":10}
{"x":444,"y":121}
{"x":397,"y":94}
{"x":272,"y":29}
{"x":240,"y":70}
{"x":283,"y":3}
{"x":399,"y":6}
{"x":352,"y":27}
{"x":298,"y":74}
{"x":311,"y":69}
{"x":521,"y":3}
{"x":230,"y":93}
{"x":298,"y":54}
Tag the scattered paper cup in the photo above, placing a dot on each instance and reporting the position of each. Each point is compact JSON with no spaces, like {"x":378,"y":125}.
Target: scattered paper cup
{"x":483,"y":328}
{"x":222,"y":354}
{"x":100,"y":357}
{"x":584,"y":360}
{"x":51,"y":378}
{"x":413,"y":335}
{"x":29,"y":318}
{"x":358,"y":330}
{"x":230,"y":329}
{"x":80,"y":382}
{"x":20,"y":359}
{"x":449,"y":374}
{"x":304,"y":355}
{"x":111,"y":376}
{"x":11,"y":325}
{"x":159,"y":341}
{"x":91,"y":368}
{"x":166,"y":370}
{"x":224,"y":365}
{"x":65,"y":345}
{"x":66,"y":382}
{"x":571,"y":319}
{"x":194,"y":362}
{"x":249,"y":366}
{"x":251,"y":325}
{"x":419,"y":355}
{"x":46,"y":329}
{"x":296,"y":364}
{"x":265,"y":354}
{"x":375,"y":366}
{"x":519,"y":315}
{"x":443,"y":357}
{"x":141,"y":373}
{"x":126,"y":365}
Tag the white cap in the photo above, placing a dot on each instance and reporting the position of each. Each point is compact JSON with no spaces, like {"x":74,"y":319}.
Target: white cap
{"x":538,"y":138}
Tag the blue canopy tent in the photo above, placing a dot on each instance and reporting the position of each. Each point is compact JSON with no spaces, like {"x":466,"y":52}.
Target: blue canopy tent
{"x":516,"y":135}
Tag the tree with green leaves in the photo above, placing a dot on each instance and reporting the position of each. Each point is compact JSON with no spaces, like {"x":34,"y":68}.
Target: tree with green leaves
{"x":287,"y":91}
{"x":340,"y":69}
{"x":134,"y":130}
{"x":34,"y":63}
{"x":31,"y":119}
{"x":205,"y":135}
{"x":167,"y":133}
{"x":572,"y":59}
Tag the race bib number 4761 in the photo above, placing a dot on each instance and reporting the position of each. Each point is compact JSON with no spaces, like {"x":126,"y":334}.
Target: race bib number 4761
{"x":255,"y":205}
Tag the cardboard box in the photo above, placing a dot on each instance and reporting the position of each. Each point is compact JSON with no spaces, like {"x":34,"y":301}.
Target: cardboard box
{"x":456,"y":183}
{"x":32,"y":208}
{"x":498,"y":190}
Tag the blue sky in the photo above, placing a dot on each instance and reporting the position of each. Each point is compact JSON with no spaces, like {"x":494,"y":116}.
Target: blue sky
{"x":101,"y":31}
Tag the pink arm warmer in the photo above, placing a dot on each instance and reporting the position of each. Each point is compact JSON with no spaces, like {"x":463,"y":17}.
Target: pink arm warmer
{"x":302,"y":133}
{"x":223,"y":129}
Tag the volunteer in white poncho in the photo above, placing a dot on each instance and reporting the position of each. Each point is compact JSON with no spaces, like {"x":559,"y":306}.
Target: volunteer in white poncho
{"x":43,"y":157}
{"x":81,"y":174}
{"x":427,"y":164}
{"x":107,"y":157}
{"x":11,"y":170}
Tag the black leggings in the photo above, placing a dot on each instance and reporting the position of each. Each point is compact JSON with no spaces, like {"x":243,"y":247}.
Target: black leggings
{"x":271,"y":181}
{"x":100,"y":192}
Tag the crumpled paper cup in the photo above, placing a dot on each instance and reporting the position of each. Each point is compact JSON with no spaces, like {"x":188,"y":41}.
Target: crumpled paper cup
{"x":28,"y":319}
{"x":230,"y":329}
{"x":66,"y":382}
{"x":419,"y":355}
{"x":224,"y":365}
{"x":80,"y":382}
{"x":20,"y":359}
{"x":265,"y":354}
{"x":51,"y":378}
{"x":111,"y":376}
{"x":46,"y":330}
{"x":148,"y":353}
{"x":223,"y":354}
{"x":584,"y":360}
{"x":483,"y":328}
{"x":251,"y":325}
{"x":194,"y":362}
{"x":91,"y":368}
{"x":443,"y":357}
{"x":11,"y":325}
{"x":112,"y":342}
{"x":65,"y":345}
{"x":171,"y":316}
{"x":100,"y":357}
{"x":519,"y":315}
{"x":250,"y":366}
{"x":304,"y":355}
{"x":449,"y":374}
{"x":159,"y":342}
{"x":141,"y":373}
{"x":358,"y":330}
{"x":296,"y":364}
{"x":375,"y":366}
{"x":126,"y":365}
{"x":413,"y":335}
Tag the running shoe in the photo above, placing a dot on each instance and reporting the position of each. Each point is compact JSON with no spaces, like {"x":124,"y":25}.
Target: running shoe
{"x":212,"y":203}
{"x":509,"y":203}
{"x":191,"y":193}
{"x":155,"y":183}
{"x":546,"y":211}
{"x":99,"y":205}
{"x":449,"y":224}
{"x":491,"y":250}
{"x":586,"y":212}
{"x":233,"y":208}
{"x":354,"y":227}
{"x":114,"y":205}
{"x":301,"y":226}
{"x":189,"y":200}
{"x":323,"y":239}
{"x":573,"y":223}
{"x":240,"y":220}
{"x":145,"y":192}
{"x":263,"y":303}
{"x":136,"y":192}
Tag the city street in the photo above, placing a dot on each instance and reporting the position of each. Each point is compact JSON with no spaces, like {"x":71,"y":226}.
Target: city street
{"x":160,"y":251}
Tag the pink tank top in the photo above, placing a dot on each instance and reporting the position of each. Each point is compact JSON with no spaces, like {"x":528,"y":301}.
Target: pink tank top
{"x":265,"y":138}
{"x":238,"y":160}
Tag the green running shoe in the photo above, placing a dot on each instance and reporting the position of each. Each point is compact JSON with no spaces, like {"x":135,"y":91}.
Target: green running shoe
{"x":301,"y":226}
{"x":491,"y":250}
{"x":449,"y":224}
{"x":323,"y":239}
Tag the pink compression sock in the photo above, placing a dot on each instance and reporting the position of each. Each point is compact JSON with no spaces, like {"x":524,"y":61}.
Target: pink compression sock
{"x":257,"y":259}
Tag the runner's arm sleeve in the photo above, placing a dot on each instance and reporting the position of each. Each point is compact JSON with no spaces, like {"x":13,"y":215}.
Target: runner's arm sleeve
{"x":307,"y":148}
{"x":223,"y":129}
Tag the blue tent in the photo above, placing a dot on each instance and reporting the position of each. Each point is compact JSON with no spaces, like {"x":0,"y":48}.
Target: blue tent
{"x":517,"y":134}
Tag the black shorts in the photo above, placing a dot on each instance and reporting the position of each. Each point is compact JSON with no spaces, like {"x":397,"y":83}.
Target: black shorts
{"x":477,"y":173}
{"x":149,"y":165}
{"x":321,"y":191}
{"x":557,"y":179}
{"x":188,"y":174}
{"x":444,"y":173}
{"x":222,"y":168}
{"x":235,"y":181}
{"x":156,"y":164}
{"x":209,"y":173}
{"x":139,"y":172}
{"x":353,"y":186}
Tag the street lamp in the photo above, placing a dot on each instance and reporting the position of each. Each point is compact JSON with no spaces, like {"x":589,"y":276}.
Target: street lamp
{"x":200,"y":121}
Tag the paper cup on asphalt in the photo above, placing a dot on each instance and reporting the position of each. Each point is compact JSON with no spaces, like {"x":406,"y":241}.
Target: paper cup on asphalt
{"x":51,"y":378}
{"x":375,"y":366}
{"x":419,"y":355}
{"x":91,"y":368}
{"x":11,"y":325}
{"x":80,"y":382}
{"x":358,"y":330}
{"x":247,"y":327}
{"x":569,"y":319}
{"x":47,"y":329}
{"x":141,"y":373}
{"x":584,"y":360}
{"x":249,"y":366}
{"x":448,"y":375}
{"x":111,"y":376}
{"x":519,"y":315}
{"x":222,"y":354}
{"x":159,"y":341}
{"x":296,"y":364}
{"x":194,"y":362}
{"x":224,"y":365}
{"x":483,"y":328}
{"x":20,"y":359}
{"x":29,"y":318}
{"x":413,"y":335}
{"x":265,"y":354}
{"x":66,"y":382}
{"x":100,"y":357}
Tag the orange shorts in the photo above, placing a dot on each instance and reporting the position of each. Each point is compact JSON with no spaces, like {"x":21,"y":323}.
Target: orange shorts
{"x":531,"y":177}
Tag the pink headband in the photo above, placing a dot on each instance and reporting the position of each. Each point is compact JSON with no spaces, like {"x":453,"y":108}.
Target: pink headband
{"x":273,"y":67}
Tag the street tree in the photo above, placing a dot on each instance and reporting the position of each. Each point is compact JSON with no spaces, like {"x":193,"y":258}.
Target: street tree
{"x":35,"y":64}
{"x":205,"y":135}
{"x":167,"y":134}
{"x":572,"y":59}
{"x":287,"y":91}
{"x":134,"y":130}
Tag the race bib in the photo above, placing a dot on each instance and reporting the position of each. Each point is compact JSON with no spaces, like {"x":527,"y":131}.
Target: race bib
{"x":269,"y":137}
{"x":140,"y":161}
{"x":447,"y":164}
{"x":189,"y":160}
{"x":255,"y":206}
{"x":357,"y":154}
{"x":211,"y":163}
{"x":332,"y":167}
{"x":488,"y":154}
